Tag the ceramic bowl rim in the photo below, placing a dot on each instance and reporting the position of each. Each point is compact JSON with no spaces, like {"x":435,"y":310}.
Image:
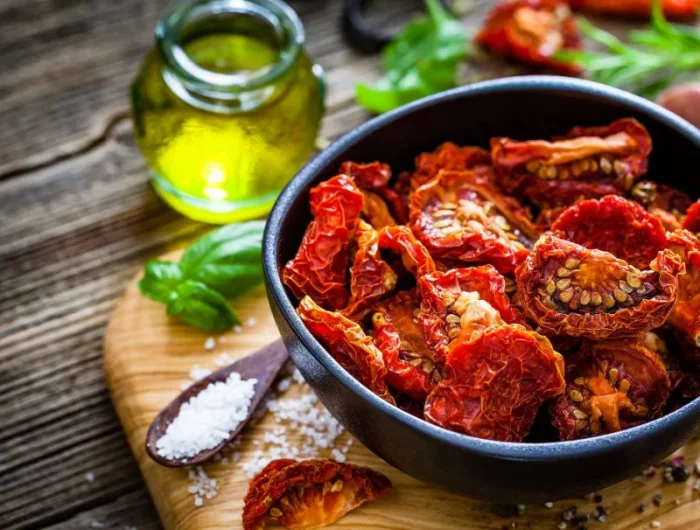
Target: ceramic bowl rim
{"x":576,"y":449}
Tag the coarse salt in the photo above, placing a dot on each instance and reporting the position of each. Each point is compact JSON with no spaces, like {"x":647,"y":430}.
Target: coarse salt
{"x":251,"y":322}
{"x":208,"y":418}
{"x":197,"y":373}
{"x":210,"y":344}
{"x":90,"y":476}
{"x":224,"y":359}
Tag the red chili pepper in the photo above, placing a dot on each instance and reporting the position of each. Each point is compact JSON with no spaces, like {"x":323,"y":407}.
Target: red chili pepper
{"x":309,"y":494}
{"x":532,"y":32}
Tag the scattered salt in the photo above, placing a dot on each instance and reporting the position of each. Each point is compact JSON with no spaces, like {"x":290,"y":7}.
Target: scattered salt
{"x":237,"y":328}
{"x":201,"y":486}
{"x":207,"y":418}
{"x":223,"y":359}
{"x":90,"y":476}
{"x":284,"y":384}
{"x":97,"y":524}
{"x":197,"y":372}
{"x":251,"y":322}
{"x":210,"y":344}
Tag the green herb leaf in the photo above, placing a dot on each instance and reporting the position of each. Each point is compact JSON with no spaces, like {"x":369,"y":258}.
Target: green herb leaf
{"x":227,"y":259}
{"x":195,"y":303}
{"x":655,"y":57}
{"x":160,"y":280}
{"x":221,"y":265}
{"x":421,"y":60}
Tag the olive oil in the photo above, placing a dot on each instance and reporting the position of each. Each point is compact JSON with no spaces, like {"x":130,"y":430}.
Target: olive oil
{"x":220,"y":151}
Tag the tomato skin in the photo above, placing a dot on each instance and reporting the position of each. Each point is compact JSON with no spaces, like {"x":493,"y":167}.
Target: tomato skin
{"x":346,"y":341}
{"x":372,"y":175}
{"x":532,"y":32}
{"x":461,"y":215}
{"x":309,"y":493}
{"x":610,"y":386}
{"x":638,"y":8}
{"x":449,"y":156}
{"x":691,"y":222}
{"x":568,"y":289}
{"x":319,"y":267}
{"x":496,"y":384}
{"x":615,"y":225}
{"x":685,"y":316}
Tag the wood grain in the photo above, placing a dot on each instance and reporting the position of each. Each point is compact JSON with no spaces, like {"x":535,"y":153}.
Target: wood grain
{"x":147,"y":356}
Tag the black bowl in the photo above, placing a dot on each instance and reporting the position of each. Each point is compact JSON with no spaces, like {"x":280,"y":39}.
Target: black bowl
{"x":523,"y":108}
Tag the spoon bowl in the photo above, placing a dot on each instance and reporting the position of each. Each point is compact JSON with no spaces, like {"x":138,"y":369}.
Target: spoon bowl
{"x":264,"y":365}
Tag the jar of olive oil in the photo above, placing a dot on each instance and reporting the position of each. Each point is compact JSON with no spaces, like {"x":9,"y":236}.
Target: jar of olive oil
{"x":226,"y":107}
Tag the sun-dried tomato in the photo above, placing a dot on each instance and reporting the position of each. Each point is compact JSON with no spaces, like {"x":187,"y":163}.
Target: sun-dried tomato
{"x":309,"y":494}
{"x":661,"y":341}
{"x":610,"y":386}
{"x":370,"y":176}
{"x":348,"y":344}
{"x":414,"y":256}
{"x":587,"y":162}
{"x":666,"y":203}
{"x":371,"y":278}
{"x":685,"y":316}
{"x":568,"y":289}
{"x":449,"y":156}
{"x":376,"y":210}
{"x":692,"y":218}
{"x":461,"y":301}
{"x":639,"y":8}
{"x":616,"y":225}
{"x":411,"y":365}
{"x":320,"y":266}
{"x":532,"y":32}
{"x":496,"y":383}
{"x":460,"y":215}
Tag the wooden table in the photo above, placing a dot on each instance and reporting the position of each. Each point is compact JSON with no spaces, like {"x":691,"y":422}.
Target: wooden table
{"x":77,"y":219}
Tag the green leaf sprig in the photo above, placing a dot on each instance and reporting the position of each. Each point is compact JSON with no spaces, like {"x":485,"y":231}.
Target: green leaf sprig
{"x":421,"y":60}
{"x":221,"y":265}
{"x":655,"y":58}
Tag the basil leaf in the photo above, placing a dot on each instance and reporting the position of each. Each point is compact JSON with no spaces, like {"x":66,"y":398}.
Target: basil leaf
{"x":160,"y":280}
{"x":195,"y":303}
{"x":228,"y":260}
{"x":421,"y":60}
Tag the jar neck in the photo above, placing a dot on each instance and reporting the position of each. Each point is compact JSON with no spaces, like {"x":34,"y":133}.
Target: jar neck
{"x":236,"y":90}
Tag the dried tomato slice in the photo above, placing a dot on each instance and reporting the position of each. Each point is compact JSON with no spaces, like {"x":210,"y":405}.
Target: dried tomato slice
{"x":613,"y":156}
{"x":410,"y":364}
{"x":370,"y":176}
{"x":461,"y":301}
{"x":371,"y":278}
{"x":664,"y":202}
{"x":640,"y":8}
{"x":414,"y":256}
{"x":460,"y":215}
{"x":661,"y":341}
{"x":310,"y":493}
{"x":532,"y":32}
{"x":692,"y":218}
{"x":449,"y":156}
{"x":610,"y":386}
{"x":568,"y":289}
{"x":616,"y":225}
{"x":347,"y":343}
{"x":376,"y":210}
{"x":685,"y":316}
{"x":496,"y":384}
{"x":320,"y":266}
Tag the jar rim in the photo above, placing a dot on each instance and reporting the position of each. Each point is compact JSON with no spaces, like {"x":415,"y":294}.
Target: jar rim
{"x":282,"y":18}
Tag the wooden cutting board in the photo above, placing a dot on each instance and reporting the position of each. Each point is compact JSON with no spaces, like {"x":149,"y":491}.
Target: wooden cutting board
{"x":147,"y":357}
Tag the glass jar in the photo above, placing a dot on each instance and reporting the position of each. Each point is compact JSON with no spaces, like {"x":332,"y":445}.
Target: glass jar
{"x":226,"y":106}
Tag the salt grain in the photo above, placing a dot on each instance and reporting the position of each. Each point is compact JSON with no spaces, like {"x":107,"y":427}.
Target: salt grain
{"x":201,"y":486}
{"x":223,"y":359}
{"x":197,"y":372}
{"x":208,"y":418}
{"x":97,"y":524}
{"x":655,"y":524}
{"x":90,"y":476}
{"x":251,"y":322}
{"x":237,"y":328}
{"x":210,"y":344}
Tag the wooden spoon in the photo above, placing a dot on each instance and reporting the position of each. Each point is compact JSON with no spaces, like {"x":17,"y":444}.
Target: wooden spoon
{"x":264,"y":365}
